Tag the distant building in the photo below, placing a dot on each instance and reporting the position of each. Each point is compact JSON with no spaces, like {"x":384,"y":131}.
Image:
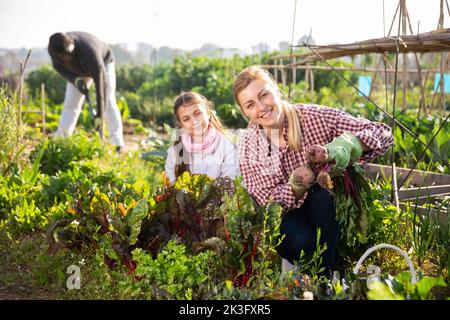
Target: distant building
{"x":260,"y":48}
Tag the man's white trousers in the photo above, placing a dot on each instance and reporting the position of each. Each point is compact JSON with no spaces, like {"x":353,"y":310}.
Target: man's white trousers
{"x":73,"y":102}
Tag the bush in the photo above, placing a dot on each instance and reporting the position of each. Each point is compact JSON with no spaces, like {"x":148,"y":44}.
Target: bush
{"x":231,"y":116}
{"x":19,"y":204}
{"x":11,"y":148}
{"x":62,"y":151}
{"x":55,"y":85}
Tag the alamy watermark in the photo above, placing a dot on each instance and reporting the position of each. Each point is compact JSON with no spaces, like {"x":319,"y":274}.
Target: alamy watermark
{"x":74,"y":280}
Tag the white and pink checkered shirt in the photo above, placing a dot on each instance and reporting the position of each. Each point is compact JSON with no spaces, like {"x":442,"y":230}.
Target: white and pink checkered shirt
{"x":266,"y":168}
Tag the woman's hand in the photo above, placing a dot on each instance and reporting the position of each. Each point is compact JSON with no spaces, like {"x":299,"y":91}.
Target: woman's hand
{"x":301,"y":179}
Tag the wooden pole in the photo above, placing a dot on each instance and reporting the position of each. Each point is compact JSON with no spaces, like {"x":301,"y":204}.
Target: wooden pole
{"x":326,"y":68}
{"x":20,"y":89}
{"x":423,"y":101}
{"x":424,"y":42}
{"x":19,"y":119}
{"x":405,"y":81}
{"x":422,"y":84}
{"x":442,"y":84}
{"x":431,"y":59}
{"x":311,"y":84}
{"x":44,"y":132}
{"x":386,"y":82}
{"x":441,"y":26}
{"x":405,"y":58}
{"x":441,"y":15}
{"x":276,"y":71}
{"x":393,"y":19}
{"x":283,"y":76}
{"x":375,"y":74}
{"x":306,"y":78}
{"x":294,"y":72}
{"x":394,"y":186}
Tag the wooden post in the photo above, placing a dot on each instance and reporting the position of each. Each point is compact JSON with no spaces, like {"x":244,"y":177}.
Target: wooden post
{"x":419,"y":69}
{"x":405,"y":58}
{"x":430,"y":57}
{"x":43,"y":109}
{"x":284,"y":76}
{"x":375,"y":74}
{"x":20,"y":99}
{"x":311,"y":84}
{"x":20,"y":89}
{"x":294,"y":72}
{"x":442,"y":84}
{"x":422,"y":101}
{"x":276,"y":71}
{"x":386,"y":86}
{"x":405,"y":81}
{"x":441,"y":26}
{"x":307,"y":73}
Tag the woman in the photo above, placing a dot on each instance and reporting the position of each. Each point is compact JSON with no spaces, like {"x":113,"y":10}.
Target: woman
{"x":201,"y":146}
{"x":274,"y":149}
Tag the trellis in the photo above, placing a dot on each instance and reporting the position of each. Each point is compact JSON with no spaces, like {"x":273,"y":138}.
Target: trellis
{"x":425,"y":184}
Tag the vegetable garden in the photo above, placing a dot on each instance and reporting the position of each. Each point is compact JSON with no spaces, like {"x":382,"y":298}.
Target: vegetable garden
{"x":75,"y":202}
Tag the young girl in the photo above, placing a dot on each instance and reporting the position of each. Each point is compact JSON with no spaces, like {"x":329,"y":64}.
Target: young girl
{"x":201,"y":146}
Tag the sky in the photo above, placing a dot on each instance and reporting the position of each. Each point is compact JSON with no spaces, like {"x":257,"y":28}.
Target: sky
{"x":187,"y":24}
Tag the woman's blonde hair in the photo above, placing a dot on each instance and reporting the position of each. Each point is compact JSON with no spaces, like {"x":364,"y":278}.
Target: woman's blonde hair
{"x":186,"y":99}
{"x":249,"y":74}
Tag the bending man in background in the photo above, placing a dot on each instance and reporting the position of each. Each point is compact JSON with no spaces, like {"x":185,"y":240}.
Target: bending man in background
{"x":81,"y":58}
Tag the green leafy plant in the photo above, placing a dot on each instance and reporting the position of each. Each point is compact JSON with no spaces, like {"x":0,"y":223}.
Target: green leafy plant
{"x":19,"y":199}
{"x":108,"y":218}
{"x":61,"y":151}
{"x":54,"y":84}
{"x":423,"y":234}
{"x":441,"y":219}
{"x":401,"y":288}
{"x":26,"y":216}
{"x":251,"y":233}
{"x":173,"y":274}
{"x":352,"y":199}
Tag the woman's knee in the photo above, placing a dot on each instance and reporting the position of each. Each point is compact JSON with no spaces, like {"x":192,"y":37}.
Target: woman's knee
{"x":297,"y":236}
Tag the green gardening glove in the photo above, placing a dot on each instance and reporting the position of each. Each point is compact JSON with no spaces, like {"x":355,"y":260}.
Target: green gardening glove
{"x":342,"y":149}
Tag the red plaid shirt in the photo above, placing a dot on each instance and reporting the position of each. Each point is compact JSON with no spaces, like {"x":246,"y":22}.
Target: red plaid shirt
{"x":266,"y":168}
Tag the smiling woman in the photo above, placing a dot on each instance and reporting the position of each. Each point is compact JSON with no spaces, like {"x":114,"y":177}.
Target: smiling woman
{"x":280,"y":140}
{"x":260,"y":104}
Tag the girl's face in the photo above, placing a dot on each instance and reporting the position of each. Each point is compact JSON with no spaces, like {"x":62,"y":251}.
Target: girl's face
{"x":260,"y":103}
{"x":194,"y":119}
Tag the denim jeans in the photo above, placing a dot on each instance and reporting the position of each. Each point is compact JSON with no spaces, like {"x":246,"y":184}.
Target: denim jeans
{"x":300,"y":228}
